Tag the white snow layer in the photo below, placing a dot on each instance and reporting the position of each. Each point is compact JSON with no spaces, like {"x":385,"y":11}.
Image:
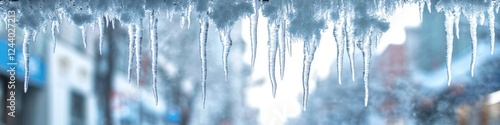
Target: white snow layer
{"x":357,"y":23}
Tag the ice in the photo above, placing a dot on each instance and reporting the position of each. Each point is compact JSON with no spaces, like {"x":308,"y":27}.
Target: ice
{"x":131,"y":31}
{"x":272,"y":48}
{"x":448,"y":25}
{"x":338,"y":33}
{"x":101,"y":34}
{"x":473,"y":35}
{"x":350,"y":45}
{"x":28,"y":36}
{"x":226,"y":47}
{"x":55,"y":27}
{"x":84,"y":36}
{"x":153,"y":36}
{"x":309,"y":50}
{"x":456,"y":16}
{"x":491,"y":23}
{"x":254,"y":19}
{"x":138,"y":50}
{"x":204,"y":24}
{"x":366,"y":50}
{"x":282,"y":48}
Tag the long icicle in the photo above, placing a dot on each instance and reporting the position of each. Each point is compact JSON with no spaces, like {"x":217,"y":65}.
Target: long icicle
{"x":153,"y":21}
{"x":225,"y":36}
{"x":309,"y":50}
{"x":350,"y":45}
{"x":131,"y":31}
{"x":101,"y":34}
{"x":338,"y":33}
{"x":491,"y":23}
{"x":473,"y":36}
{"x":366,"y":50}
{"x":28,"y":36}
{"x":282,"y":48}
{"x":272,"y":48}
{"x":138,"y":50}
{"x":203,"y":56}
{"x":448,"y":25}
{"x":254,"y":19}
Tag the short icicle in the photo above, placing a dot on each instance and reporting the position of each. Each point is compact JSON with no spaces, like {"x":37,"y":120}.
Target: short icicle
{"x":55,"y":28}
{"x":28,"y":36}
{"x":84,"y":36}
{"x":226,"y":47}
{"x":101,"y":34}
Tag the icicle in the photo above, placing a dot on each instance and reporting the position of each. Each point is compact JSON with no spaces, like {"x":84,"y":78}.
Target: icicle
{"x":448,"y":24}
{"x":131,"y":31}
{"x":203,"y":56}
{"x":428,"y":2}
{"x":55,"y":27}
{"x":282,"y":48}
{"x":254,"y":19}
{"x":113,"y":23}
{"x":338,"y":33}
{"x":272,"y":48}
{"x":421,"y":5}
{"x":138,"y":50}
{"x":456,"y":14}
{"x":226,"y":47}
{"x":473,"y":36}
{"x":350,"y":45}
{"x":309,"y":49}
{"x":107,"y":20}
{"x":84,"y":36}
{"x":154,"y":51}
{"x":366,"y":50}
{"x":101,"y":34}
{"x":28,"y":36}
{"x":491,"y":23}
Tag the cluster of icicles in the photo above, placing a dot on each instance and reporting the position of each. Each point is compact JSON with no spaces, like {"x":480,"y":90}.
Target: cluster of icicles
{"x":356,"y":23}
